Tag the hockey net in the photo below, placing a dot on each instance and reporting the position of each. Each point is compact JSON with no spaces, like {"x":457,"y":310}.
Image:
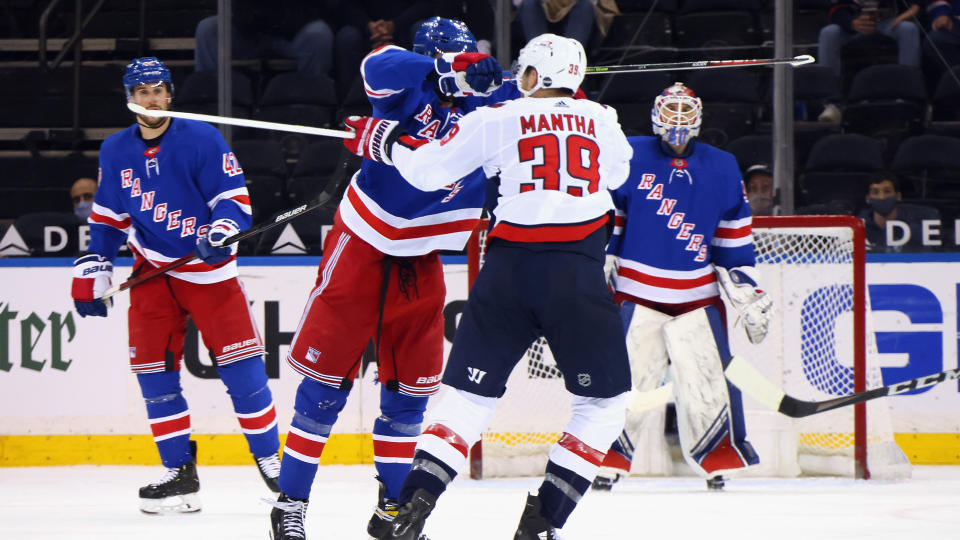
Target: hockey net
{"x":820,"y":345}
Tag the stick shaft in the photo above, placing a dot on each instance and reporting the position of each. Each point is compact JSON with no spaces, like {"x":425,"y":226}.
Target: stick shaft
{"x":700,"y":64}
{"x":242,"y":122}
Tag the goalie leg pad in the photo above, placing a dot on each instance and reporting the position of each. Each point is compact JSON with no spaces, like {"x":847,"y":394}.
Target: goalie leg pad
{"x":395,"y":435}
{"x":575,"y":459}
{"x":709,"y":416}
{"x":316,"y":409}
{"x":169,"y":416}
{"x":246,"y":382}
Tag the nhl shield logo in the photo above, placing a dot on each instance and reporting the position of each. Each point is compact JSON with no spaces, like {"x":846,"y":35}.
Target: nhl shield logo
{"x":583,"y":379}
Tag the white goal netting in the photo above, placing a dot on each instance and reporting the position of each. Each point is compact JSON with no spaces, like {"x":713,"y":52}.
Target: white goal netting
{"x":819,"y":345}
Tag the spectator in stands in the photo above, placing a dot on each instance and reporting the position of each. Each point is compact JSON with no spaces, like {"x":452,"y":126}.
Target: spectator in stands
{"x":758,"y":181}
{"x":942,"y":48}
{"x":541,"y":16}
{"x":285,"y":28}
{"x":82,"y":192}
{"x":884,"y":206}
{"x":852,"y":19}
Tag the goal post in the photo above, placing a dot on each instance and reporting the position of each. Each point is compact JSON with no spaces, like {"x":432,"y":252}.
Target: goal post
{"x":820,"y":345}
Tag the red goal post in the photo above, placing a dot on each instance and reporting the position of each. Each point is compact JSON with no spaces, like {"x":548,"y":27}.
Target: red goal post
{"x":820,"y":346}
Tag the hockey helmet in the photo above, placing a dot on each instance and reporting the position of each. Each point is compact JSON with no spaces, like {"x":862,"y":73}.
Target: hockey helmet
{"x":146,"y":70}
{"x":560,"y":62}
{"x":440,"y":35}
{"x":676,"y":114}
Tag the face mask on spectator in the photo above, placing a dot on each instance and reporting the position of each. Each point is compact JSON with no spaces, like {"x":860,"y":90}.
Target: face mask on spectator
{"x":83,"y":209}
{"x":761,"y":205}
{"x":883,"y":206}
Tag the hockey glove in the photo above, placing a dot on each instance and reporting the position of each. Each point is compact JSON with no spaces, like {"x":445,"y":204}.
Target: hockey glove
{"x":372,"y":138}
{"x":750,"y":302}
{"x":91,"y":278}
{"x":468,"y":74}
{"x":611,"y":265}
{"x":211,"y":249}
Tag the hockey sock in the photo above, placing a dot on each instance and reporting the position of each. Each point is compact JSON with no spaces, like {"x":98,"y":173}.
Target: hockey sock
{"x":560,"y":492}
{"x":316,"y":410}
{"x":395,"y":437}
{"x":620,"y":454}
{"x":246,"y":382}
{"x":427,"y":472}
{"x":169,"y":416}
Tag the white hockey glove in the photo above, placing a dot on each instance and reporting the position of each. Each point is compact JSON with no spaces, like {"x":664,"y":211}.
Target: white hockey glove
{"x":91,"y":278}
{"x":611,"y":265}
{"x":468,"y":74}
{"x":211,"y":249}
{"x":751,"y":303}
{"x":372,"y":137}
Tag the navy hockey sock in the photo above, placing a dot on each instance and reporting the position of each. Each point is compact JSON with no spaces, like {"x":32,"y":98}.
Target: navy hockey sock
{"x":246,"y":382}
{"x":395,"y":437}
{"x":428,"y":473}
{"x":316,"y":410}
{"x":559,"y":493}
{"x":169,"y":416}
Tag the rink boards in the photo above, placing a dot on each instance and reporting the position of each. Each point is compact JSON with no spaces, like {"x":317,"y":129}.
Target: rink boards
{"x":67,"y":395}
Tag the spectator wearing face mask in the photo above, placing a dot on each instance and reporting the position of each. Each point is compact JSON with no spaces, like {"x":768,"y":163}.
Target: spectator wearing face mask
{"x":81,"y":193}
{"x":884,"y":206}
{"x":758,"y":181}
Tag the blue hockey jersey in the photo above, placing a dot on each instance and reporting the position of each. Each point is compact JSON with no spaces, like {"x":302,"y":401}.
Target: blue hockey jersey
{"x":380,"y":206}
{"x":677,"y":217}
{"x":162,"y":199}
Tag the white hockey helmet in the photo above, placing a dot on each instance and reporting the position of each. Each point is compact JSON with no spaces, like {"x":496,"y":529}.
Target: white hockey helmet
{"x":676,"y":114}
{"x":560,"y":62}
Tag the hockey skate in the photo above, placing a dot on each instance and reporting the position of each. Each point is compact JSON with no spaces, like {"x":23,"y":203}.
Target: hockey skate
{"x":411,"y":517}
{"x":269,"y":467}
{"x":715,"y":483}
{"x":175,"y":492}
{"x":383,"y":514}
{"x":532,"y":525}
{"x":606,"y":478}
{"x":287,"y":518}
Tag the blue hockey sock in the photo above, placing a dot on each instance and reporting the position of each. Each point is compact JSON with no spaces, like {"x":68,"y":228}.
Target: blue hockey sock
{"x":169,"y":416}
{"x":246,"y":382}
{"x":395,"y":437}
{"x":316,"y":409}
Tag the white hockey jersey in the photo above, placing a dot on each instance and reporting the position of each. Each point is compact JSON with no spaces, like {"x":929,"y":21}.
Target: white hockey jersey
{"x":677,"y":217}
{"x":556,"y":159}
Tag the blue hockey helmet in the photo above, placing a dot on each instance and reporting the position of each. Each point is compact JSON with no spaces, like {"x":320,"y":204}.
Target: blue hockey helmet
{"x":146,"y":70}
{"x":443,"y":35}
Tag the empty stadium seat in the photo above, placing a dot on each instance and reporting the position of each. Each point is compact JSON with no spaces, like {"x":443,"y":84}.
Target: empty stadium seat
{"x":931,"y":165}
{"x":265,"y":170}
{"x":887,"y":101}
{"x":730,"y":103}
{"x":751,"y":149}
{"x":838,"y":168}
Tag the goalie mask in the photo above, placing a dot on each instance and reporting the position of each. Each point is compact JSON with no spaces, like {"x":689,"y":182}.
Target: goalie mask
{"x":676,"y":115}
{"x":147,"y":70}
{"x":560,"y":62}
{"x":440,"y":35}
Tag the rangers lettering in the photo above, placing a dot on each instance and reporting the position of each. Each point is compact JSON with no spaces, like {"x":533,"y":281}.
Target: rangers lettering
{"x":425,"y":114}
{"x":189,"y":226}
{"x":646,"y":181}
{"x":675,"y":220}
{"x":135,"y":192}
{"x":126,"y":178}
{"x":202,"y":232}
{"x":656,"y":193}
{"x":666,"y":207}
{"x":685,"y":231}
{"x":160,"y":212}
{"x":146,"y":201}
{"x":695,"y":241}
{"x":430,"y":130}
{"x":173,"y":220}
{"x":702,"y":256}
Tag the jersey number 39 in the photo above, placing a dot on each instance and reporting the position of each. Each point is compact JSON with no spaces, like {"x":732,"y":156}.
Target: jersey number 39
{"x":581,"y":159}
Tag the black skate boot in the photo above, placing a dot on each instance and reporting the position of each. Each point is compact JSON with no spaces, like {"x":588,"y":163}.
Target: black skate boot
{"x":287,"y":518}
{"x":534,"y":526}
{"x":383,"y":514}
{"x":412,"y":516}
{"x":606,"y":478}
{"x":175,"y":492}
{"x":716,"y":483}
{"x":269,"y":467}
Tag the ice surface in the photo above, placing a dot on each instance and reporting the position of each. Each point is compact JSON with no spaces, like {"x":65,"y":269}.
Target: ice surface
{"x":90,"y":502}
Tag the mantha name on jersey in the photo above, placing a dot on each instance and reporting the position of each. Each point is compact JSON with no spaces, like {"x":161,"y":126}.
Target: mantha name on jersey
{"x":379,"y":206}
{"x":161,"y":199}
{"x":677,"y":217}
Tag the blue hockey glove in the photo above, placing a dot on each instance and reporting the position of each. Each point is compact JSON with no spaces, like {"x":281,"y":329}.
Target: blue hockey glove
{"x":211,"y":249}
{"x":91,"y":278}
{"x":468,"y":74}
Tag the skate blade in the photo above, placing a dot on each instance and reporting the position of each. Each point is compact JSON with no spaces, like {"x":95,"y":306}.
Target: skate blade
{"x":177,"y":504}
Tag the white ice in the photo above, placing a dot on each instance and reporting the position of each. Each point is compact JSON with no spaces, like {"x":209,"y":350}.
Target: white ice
{"x":91,"y":502}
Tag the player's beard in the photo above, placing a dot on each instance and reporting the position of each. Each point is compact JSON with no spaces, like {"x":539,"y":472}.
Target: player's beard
{"x":153,"y":122}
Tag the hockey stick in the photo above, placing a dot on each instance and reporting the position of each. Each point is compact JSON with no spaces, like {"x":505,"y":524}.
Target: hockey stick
{"x":325,"y":197}
{"x":700,"y":64}
{"x":242,"y":122}
{"x":747,"y":378}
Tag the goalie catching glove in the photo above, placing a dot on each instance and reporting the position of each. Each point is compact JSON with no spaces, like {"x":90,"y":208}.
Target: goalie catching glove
{"x":751,"y":303}
{"x":467,"y":74}
{"x":211,"y":249}
{"x":91,"y":278}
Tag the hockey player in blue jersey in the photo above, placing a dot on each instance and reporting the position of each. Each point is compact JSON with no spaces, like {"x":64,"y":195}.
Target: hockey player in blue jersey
{"x":381,"y":278}
{"x":169,"y":188}
{"x":683,"y":234}
{"x":555,"y":159}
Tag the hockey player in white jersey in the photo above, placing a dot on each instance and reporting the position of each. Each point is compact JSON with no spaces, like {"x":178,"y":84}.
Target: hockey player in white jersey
{"x":555,"y":159}
{"x":683,"y":227}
